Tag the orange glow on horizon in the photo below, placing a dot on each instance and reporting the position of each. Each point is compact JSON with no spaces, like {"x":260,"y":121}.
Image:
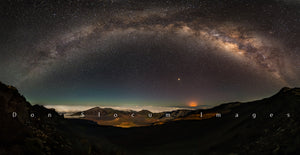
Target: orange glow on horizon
{"x":193,"y":104}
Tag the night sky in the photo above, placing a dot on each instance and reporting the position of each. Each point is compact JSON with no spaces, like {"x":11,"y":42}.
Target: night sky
{"x":142,"y":53}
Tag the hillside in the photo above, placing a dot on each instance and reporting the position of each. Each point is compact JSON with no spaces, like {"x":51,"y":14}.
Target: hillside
{"x":186,"y":134}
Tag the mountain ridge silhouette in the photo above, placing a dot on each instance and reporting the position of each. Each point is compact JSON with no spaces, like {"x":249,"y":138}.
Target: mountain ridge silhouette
{"x":40,"y":134}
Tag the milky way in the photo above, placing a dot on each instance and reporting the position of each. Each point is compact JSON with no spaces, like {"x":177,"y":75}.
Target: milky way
{"x":121,"y":52}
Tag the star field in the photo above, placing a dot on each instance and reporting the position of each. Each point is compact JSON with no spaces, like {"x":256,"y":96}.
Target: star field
{"x":149,"y":53}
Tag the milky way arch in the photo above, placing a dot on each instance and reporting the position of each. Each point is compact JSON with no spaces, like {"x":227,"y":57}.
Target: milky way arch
{"x":221,"y":51}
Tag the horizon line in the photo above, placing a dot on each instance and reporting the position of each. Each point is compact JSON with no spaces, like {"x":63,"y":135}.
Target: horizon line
{"x":154,"y":109}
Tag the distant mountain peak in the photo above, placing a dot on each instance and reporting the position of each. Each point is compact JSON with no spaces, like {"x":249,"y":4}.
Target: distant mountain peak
{"x":284,"y":89}
{"x":287,"y":90}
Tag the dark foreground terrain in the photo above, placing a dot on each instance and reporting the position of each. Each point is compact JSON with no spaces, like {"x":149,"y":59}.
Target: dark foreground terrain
{"x":226,"y":135}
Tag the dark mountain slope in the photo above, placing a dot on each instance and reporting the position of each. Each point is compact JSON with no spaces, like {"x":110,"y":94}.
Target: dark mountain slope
{"x":40,"y":134}
{"x":243,"y":135}
{"x":226,"y":135}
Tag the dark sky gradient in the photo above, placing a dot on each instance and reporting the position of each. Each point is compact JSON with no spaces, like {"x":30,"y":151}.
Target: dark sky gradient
{"x":133,"y":52}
